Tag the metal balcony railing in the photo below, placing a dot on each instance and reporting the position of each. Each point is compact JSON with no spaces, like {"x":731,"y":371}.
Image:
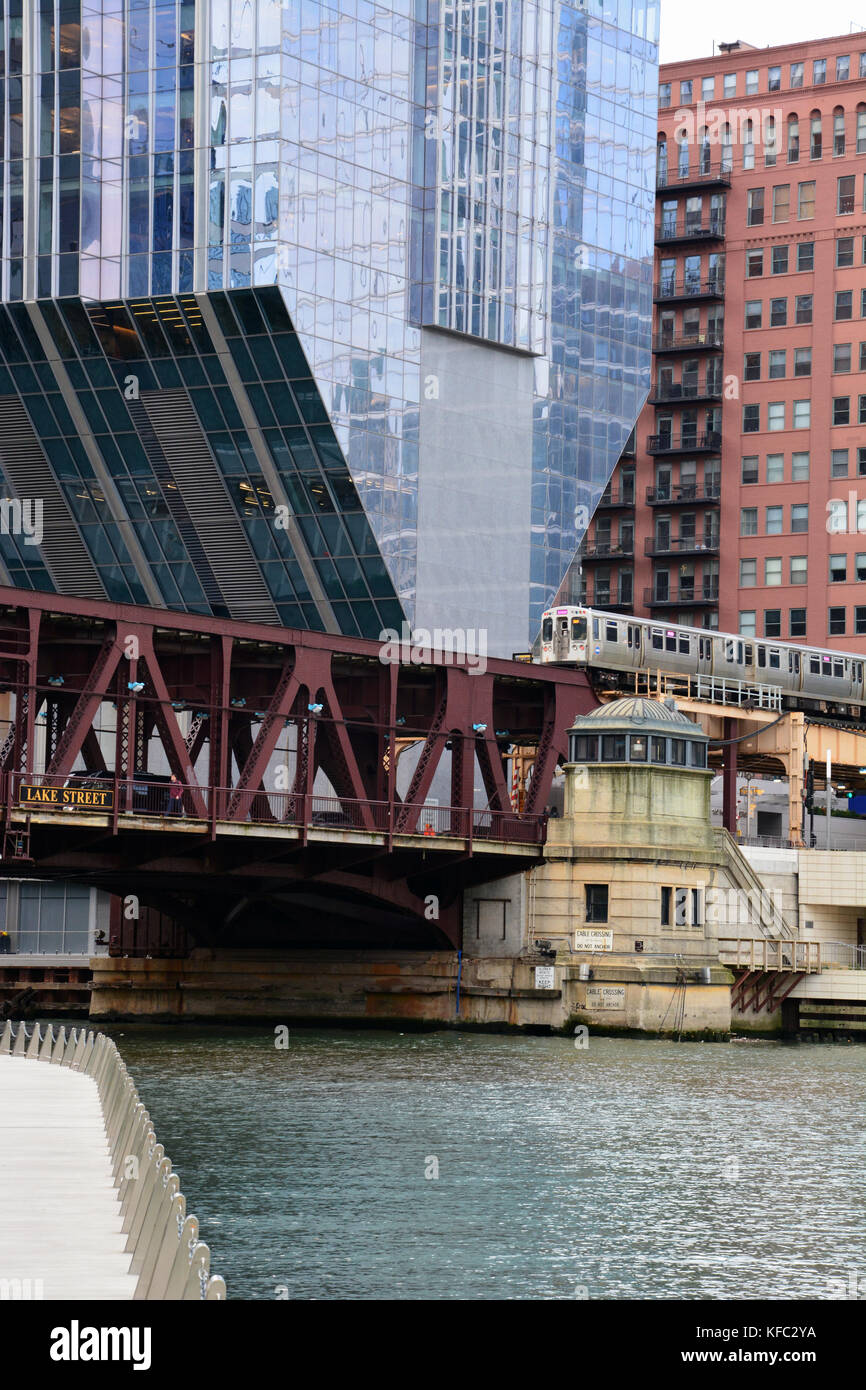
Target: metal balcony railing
{"x":699,"y":176}
{"x":692,"y":287}
{"x":682,"y":545}
{"x":617,"y":497}
{"x":682,"y":494}
{"x":690,"y":229}
{"x":686,"y":442}
{"x":707,"y":388}
{"x":711,"y":340}
{"x":608,"y":550}
{"x":681,"y":597}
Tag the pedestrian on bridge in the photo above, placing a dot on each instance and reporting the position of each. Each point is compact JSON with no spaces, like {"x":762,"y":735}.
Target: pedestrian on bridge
{"x":175,"y":797}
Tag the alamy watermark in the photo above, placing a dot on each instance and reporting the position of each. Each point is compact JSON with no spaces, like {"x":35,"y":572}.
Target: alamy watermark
{"x":22,"y":516}
{"x":453,"y":646}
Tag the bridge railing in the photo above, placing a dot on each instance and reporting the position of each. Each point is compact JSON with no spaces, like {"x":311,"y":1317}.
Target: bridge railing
{"x":162,"y":1237}
{"x":763,"y":953}
{"x":147,"y":798}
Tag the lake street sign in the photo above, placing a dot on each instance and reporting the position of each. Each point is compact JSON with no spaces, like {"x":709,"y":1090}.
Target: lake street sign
{"x":67,"y":798}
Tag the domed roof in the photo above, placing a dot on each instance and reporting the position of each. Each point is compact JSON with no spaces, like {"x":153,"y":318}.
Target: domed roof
{"x":638,"y":707}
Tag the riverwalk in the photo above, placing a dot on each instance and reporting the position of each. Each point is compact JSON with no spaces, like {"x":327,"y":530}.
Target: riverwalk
{"x":89,"y":1205}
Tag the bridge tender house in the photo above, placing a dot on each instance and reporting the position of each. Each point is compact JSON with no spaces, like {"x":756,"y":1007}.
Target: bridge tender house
{"x":93,"y":798}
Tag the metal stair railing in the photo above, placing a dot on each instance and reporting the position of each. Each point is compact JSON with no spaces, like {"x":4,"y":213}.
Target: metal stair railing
{"x":768,"y":919}
{"x":162,"y":1237}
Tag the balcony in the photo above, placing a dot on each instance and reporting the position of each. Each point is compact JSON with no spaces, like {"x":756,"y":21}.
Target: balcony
{"x":711,"y":341}
{"x":682,"y":495}
{"x":616,"y":497}
{"x":707,"y":543}
{"x":707,"y":389}
{"x":591,"y":597}
{"x":708,"y":442}
{"x":706,"y":175}
{"x":687,"y":229}
{"x":605,"y":550}
{"x":683,"y":597}
{"x":692,"y":287}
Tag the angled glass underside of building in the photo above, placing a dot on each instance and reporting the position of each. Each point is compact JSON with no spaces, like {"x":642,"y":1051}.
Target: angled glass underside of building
{"x":323,"y":316}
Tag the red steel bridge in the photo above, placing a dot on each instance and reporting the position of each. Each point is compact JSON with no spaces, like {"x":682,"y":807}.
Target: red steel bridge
{"x":288,"y":827}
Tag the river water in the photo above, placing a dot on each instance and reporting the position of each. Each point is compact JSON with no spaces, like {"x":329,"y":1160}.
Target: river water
{"x":629,"y":1169}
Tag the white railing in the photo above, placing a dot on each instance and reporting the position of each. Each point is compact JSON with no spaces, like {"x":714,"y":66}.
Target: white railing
{"x":167,"y":1255}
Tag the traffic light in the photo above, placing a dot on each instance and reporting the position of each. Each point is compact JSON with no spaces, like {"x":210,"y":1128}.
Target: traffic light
{"x":810,"y":789}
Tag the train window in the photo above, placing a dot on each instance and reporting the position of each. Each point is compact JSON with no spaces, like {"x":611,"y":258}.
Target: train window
{"x":678,"y":751}
{"x":838,"y":669}
{"x":547,"y":630}
{"x":670,"y":641}
{"x":685,"y":643}
{"x":697,"y":755}
{"x":659,"y":753}
{"x":814,"y":666}
{"x":658,"y":640}
{"x":733,"y":651}
{"x":775,"y":659}
{"x":610,"y":632}
{"x":762,"y":656}
{"x":858,"y":672}
{"x":794,"y":662}
{"x":748,"y":653}
{"x":595,"y":628}
{"x":578,"y":629}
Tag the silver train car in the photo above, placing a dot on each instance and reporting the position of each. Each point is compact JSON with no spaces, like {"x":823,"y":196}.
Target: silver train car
{"x":809,"y":677}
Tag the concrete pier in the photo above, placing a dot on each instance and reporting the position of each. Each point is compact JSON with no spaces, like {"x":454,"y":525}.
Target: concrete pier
{"x":60,"y":1217}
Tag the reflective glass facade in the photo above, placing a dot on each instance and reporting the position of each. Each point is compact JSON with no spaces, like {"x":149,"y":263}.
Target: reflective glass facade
{"x":329,"y":243}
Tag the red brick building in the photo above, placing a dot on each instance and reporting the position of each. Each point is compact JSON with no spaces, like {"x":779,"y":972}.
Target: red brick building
{"x":742,"y":504}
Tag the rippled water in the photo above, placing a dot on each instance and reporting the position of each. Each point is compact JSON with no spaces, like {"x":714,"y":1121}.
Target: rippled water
{"x":633,"y":1169}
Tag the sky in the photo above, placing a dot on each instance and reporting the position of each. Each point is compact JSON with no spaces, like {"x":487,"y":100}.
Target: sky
{"x":688,"y":28}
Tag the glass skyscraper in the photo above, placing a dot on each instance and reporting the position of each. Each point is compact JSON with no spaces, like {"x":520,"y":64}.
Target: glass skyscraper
{"x":322,"y":315}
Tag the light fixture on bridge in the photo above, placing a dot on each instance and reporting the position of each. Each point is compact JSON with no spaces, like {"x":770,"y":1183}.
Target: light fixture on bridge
{"x":201,"y":714}
{"x":401,"y":720}
{"x":259,"y":714}
{"x":479,"y":728}
{"x":135,"y":686}
{"x":178,"y":704}
{"x":315,"y":709}
{"x":56,"y":680}
{"x":239,"y":704}
{"x":503,"y":733}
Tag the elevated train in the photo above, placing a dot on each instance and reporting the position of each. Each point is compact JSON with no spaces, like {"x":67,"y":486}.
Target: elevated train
{"x":611,"y":644}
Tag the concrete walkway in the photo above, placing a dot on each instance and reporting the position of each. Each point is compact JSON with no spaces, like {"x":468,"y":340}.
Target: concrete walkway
{"x":59,"y":1214}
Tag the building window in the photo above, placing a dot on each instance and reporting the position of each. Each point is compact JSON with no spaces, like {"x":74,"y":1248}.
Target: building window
{"x":838,"y":463}
{"x":815,"y":136}
{"x":803,"y":308}
{"x":836,"y":622}
{"x":754,"y":264}
{"x":796,"y":74}
{"x":837,"y":516}
{"x":751,"y":419}
{"x":861,"y":410}
{"x":596,"y":901}
{"x":843,"y":67}
{"x":799,"y":570}
{"x":859,"y":621}
{"x":806,"y":200}
{"x":751,"y":82}
{"x":747,"y":623}
{"x":772,"y":622}
{"x":729,"y":84}
{"x":862,"y":69}
{"x":754,"y":310}
{"x":686,"y":92}
{"x":841,"y":410}
{"x":841,"y":357}
{"x":800,"y":468}
{"x":776,"y":364}
{"x":774,"y":520}
{"x":793,"y":140}
{"x":844,"y":194}
{"x":802,"y":415}
{"x":862,"y":356}
{"x":749,"y":521}
{"x":843,"y":307}
{"x":750,"y":469}
{"x":748,"y":574}
{"x":664,"y":94}
{"x":844,"y":251}
{"x":806,"y":256}
{"x":781,"y":202}
{"x":776,"y":415}
{"x":754,"y":207}
{"x":773,"y":571}
{"x":613,"y":748}
{"x":800,"y":516}
{"x":778,"y":313}
{"x":797,"y":622}
{"x":774,"y":79}
{"x":780,"y":260}
{"x":860,"y":567}
{"x":819,"y":72}
{"x":838,"y":569}
{"x":838,"y":132}
{"x":802,"y":361}
{"x":665,"y":907}
{"x":863,"y":304}
{"x":775,"y":468}
{"x":708,"y":88}
{"x":861,"y":463}
{"x":861,"y":129}
{"x":752,"y":366}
